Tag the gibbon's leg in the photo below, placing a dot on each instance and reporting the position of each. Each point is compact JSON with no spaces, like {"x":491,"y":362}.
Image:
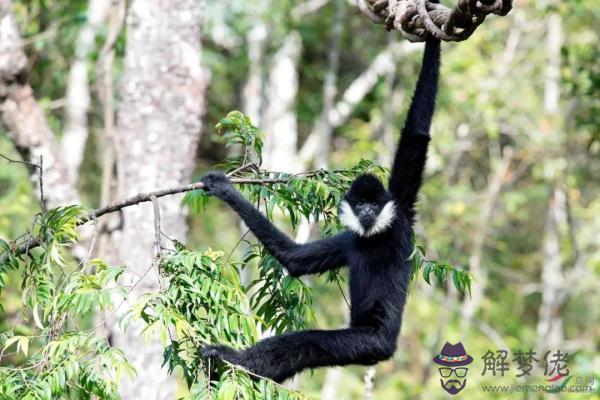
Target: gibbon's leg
{"x":282,"y":356}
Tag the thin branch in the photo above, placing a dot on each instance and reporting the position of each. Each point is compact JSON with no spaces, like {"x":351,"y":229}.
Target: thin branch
{"x":41,"y":179}
{"x":93,"y":244}
{"x":10,"y":160}
{"x":40,"y":168}
{"x":157,"y":247}
{"x":156,"y":207}
{"x":145,"y":197}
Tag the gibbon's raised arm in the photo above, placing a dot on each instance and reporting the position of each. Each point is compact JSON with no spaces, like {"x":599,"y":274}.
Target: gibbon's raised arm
{"x":298,"y":259}
{"x":409,"y":162}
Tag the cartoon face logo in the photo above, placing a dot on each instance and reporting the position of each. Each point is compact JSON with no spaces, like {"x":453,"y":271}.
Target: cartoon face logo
{"x":452,"y":360}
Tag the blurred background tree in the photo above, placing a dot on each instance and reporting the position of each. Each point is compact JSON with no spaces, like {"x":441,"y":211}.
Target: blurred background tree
{"x":119,"y":97}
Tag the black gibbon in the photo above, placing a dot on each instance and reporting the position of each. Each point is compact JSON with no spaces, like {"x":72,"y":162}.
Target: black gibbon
{"x":375,"y":247}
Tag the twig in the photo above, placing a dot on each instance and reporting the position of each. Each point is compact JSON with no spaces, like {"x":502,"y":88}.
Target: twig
{"x":40,"y":168}
{"x":237,"y":244}
{"x":343,"y":294}
{"x":157,"y":247}
{"x":10,"y":160}
{"x":42,"y":200}
{"x":242,"y":168}
{"x":93,"y":244}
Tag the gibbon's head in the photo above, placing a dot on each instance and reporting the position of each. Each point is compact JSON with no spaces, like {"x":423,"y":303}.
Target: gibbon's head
{"x":367,"y":209}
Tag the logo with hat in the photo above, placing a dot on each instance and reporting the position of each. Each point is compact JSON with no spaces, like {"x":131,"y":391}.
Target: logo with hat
{"x":452,"y":360}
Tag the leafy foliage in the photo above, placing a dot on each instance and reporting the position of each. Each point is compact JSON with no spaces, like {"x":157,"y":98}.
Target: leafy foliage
{"x":236,"y":128}
{"x":57,"y":359}
{"x":441,"y":271}
{"x":204,"y":302}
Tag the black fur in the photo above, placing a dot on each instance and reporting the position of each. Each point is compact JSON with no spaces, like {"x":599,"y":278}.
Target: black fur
{"x":379,"y":270}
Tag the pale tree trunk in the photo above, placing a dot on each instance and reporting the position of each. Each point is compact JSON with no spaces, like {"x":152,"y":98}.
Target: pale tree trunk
{"x":549,"y":328}
{"x":25,"y":120}
{"x":369,"y":378}
{"x":324,"y":128}
{"x":387,"y":132}
{"x":330,"y":388}
{"x":334,"y":376}
{"x":280,"y":119}
{"x":254,"y":93}
{"x":158,"y":129}
{"x":78,"y":89}
{"x":107,"y":249}
{"x":106,"y":95}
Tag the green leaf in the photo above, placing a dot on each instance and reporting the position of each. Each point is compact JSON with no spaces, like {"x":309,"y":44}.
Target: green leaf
{"x":427,"y":271}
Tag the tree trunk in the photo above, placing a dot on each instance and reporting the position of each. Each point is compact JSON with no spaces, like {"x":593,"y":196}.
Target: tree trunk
{"x":78,"y":89}
{"x":24,"y":118}
{"x":254,"y":93}
{"x":550,"y":327}
{"x":158,"y":129}
{"x":324,"y":128}
{"x":280,"y":119}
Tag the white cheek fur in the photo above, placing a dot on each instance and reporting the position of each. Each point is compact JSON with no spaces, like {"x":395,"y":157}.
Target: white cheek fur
{"x":384,"y":219}
{"x":382,"y":222}
{"x":349,"y":219}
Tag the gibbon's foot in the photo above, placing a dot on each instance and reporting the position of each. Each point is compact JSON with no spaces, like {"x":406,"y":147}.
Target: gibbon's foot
{"x":220,"y":352}
{"x":225,"y":353}
{"x":215,"y":183}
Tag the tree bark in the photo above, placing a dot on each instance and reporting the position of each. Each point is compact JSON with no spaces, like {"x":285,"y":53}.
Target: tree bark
{"x":158,"y":129}
{"x":24,"y":118}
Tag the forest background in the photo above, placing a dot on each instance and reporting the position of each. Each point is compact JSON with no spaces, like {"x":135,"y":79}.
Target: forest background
{"x":121,"y":98}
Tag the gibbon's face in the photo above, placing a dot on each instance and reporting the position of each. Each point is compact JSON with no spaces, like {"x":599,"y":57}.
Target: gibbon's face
{"x":367,"y":208}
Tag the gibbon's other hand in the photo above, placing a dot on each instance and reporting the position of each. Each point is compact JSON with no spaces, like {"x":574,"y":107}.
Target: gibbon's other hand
{"x":215,"y":183}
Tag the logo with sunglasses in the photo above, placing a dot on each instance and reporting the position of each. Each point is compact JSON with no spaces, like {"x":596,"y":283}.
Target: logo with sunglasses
{"x":452,"y":360}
